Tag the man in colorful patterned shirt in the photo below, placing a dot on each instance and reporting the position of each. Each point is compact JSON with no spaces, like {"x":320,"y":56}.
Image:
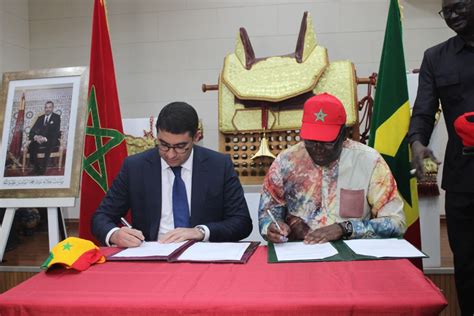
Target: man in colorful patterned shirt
{"x":328,"y":187}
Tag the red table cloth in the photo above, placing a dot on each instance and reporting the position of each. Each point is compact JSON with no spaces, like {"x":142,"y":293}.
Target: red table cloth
{"x":393,"y":287}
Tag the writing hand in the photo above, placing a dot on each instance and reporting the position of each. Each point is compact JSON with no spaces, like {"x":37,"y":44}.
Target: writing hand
{"x":275,"y":235}
{"x":127,"y":237}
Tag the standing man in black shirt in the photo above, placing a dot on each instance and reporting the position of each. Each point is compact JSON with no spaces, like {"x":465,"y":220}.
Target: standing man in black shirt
{"x":447,"y":76}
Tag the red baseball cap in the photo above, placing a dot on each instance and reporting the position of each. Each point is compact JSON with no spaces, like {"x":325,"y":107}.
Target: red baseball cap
{"x":323,"y":117}
{"x":464,"y":126}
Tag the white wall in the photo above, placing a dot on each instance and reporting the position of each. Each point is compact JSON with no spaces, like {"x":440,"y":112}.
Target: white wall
{"x":14,"y":36}
{"x":165,"y":49}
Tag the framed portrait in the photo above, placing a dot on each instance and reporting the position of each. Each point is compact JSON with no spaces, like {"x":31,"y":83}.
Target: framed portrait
{"x":42,"y":120}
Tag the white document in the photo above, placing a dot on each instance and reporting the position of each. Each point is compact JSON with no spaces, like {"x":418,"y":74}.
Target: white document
{"x":396,"y":248}
{"x":209,"y":251}
{"x":149,"y":249}
{"x":300,"y":251}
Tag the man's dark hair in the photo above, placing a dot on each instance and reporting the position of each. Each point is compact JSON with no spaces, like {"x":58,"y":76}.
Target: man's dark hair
{"x":178,"y":118}
{"x":49,"y":102}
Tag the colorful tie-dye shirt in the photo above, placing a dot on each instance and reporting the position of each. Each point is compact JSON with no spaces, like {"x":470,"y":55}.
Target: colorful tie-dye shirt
{"x":358,"y":187}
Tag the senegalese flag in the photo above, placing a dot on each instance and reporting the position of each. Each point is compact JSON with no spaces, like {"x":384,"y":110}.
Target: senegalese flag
{"x":104,"y":148}
{"x":391,"y":118}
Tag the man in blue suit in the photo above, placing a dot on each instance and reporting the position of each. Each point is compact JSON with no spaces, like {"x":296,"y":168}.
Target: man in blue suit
{"x":179,"y":191}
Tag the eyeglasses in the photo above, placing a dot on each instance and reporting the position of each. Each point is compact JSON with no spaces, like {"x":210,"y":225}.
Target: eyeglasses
{"x":178,"y":148}
{"x":311,"y":144}
{"x":459,"y":8}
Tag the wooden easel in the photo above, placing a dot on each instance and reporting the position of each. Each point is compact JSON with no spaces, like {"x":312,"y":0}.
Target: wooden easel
{"x":54,"y":220}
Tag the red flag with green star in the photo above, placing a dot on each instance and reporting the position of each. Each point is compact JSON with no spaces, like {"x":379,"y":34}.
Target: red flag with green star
{"x":105,"y":147}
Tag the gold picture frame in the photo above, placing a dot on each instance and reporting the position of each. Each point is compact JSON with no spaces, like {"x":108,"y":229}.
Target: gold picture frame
{"x":37,"y":105}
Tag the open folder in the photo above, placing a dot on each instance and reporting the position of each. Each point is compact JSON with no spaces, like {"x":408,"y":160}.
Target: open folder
{"x":360,"y":249}
{"x":188,"y":251}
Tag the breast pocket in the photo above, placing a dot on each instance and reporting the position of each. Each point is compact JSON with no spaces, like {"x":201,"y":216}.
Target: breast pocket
{"x":351,"y":203}
{"x":449,"y":87}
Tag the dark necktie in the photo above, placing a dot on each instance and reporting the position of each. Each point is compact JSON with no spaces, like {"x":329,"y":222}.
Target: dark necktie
{"x":180,"y":200}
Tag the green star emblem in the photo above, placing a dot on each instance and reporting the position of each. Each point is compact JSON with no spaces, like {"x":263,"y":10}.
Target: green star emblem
{"x":320,"y":115}
{"x":105,"y":140}
{"x":67,"y":246}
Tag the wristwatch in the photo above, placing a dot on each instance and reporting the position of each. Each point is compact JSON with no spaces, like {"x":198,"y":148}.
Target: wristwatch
{"x":202,"y":230}
{"x":346,"y":229}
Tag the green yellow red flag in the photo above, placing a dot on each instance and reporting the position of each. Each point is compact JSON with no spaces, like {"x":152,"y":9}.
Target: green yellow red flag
{"x":391,"y":118}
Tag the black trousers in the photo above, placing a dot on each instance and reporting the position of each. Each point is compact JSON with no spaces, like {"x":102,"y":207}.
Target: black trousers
{"x":460,"y":221}
{"x":33,"y":149}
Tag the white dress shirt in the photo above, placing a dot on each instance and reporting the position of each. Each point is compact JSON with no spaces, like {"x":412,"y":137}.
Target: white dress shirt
{"x":46,"y":121}
{"x":167,"y":179}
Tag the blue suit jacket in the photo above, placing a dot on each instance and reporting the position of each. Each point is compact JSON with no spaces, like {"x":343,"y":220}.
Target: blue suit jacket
{"x":217,"y":197}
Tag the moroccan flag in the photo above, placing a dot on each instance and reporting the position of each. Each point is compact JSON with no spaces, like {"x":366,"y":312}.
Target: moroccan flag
{"x":14,"y":151}
{"x":391,"y":118}
{"x":104,"y":148}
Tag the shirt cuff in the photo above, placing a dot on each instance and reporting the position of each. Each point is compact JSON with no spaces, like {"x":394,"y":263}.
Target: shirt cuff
{"x":207,"y":232}
{"x":109,"y":234}
{"x":264,"y":227}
